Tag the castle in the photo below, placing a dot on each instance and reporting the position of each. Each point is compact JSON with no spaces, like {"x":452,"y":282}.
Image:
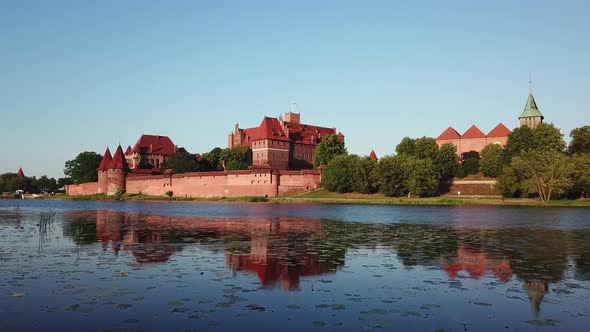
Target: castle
{"x":281,"y":144}
{"x":473,"y":139}
{"x":151,"y":151}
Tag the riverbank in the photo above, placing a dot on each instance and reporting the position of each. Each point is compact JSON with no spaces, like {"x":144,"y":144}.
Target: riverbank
{"x":326,"y":197}
{"x":322,"y":196}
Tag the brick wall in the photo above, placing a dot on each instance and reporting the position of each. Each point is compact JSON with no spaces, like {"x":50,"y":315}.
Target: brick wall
{"x":214,"y":184}
{"x":89,"y":188}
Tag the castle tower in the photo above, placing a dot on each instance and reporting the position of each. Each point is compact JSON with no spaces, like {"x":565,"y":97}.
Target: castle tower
{"x":117,"y":172}
{"x":531,"y":116}
{"x":103,"y":169}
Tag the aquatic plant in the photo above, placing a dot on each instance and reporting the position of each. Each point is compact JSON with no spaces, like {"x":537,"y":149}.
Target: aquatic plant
{"x":17,"y":212}
{"x":45,"y":223}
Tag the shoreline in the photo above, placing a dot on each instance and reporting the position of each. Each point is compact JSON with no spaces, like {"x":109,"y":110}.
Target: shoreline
{"x":324,"y":197}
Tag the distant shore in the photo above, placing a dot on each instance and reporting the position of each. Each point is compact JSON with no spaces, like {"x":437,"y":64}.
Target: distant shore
{"x":325,"y":197}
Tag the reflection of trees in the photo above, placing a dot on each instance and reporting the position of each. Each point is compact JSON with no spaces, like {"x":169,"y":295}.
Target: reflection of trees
{"x":534,"y":254}
{"x":580,"y":250}
{"x":80,"y":226}
{"x":296,"y":246}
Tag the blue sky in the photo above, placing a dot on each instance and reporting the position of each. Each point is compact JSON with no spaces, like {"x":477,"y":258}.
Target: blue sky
{"x":81,"y":75}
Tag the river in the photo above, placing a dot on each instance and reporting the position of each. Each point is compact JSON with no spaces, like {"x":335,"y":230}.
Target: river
{"x":153,"y":266}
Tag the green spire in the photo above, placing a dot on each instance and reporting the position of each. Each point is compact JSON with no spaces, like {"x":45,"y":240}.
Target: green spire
{"x":530,"y":109}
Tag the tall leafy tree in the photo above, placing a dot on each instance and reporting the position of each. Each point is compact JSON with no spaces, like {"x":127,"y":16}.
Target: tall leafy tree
{"x":420,"y":177}
{"x":425,"y":148}
{"x":580,"y":142}
{"x":446,"y":161}
{"x":548,"y":137}
{"x":182,"y":163}
{"x":330,"y":147}
{"x":407,"y":147}
{"x":338,"y":174}
{"x":213,"y":159}
{"x":390,"y":175}
{"x":363,"y":179}
{"x":509,"y":183}
{"x":46,"y":184}
{"x":61,"y":182}
{"x":491,"y":160}
{"x":580,"y":163}
{"x":519,"y":140}
{"x":546,"y":172}
{"x":84,"y":167}
{"x":238,"y":158}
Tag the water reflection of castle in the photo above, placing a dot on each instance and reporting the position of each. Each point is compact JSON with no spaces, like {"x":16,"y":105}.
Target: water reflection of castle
{"x":279,"y":251}
{"x":476,"y":264}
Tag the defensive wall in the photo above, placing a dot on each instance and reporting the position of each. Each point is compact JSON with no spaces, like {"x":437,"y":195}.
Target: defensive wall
{"x":269,"y":183}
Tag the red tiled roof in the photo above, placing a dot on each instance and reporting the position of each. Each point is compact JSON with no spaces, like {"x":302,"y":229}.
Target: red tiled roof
{"x":473,"y":132}
{"x":106,"y":160}
{"x":20,"y":172}
{"x":448,"y":134}
{"x":373,"y":155}
{"x":499,"y":131}
{"x":154,"y":144}
{"x":308,"y":134}
{"x":118,"y":161}
{"x":271,"y":128}
{"x":128,"y":150}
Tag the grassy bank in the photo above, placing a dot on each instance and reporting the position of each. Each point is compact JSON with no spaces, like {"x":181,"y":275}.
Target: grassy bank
{"x":325,"y":197}
{"x":137,"y":197}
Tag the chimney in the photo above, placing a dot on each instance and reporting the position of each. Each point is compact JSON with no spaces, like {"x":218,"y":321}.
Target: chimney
{"x":151,"y":148}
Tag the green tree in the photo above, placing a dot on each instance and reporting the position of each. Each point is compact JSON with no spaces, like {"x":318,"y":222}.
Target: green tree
{"x":491,"y":162}
{"x":580,"y":164}
{"x":212,"y":159}
{"x":580,"y":142}
{"x":46,"y":184}
{"x":420,"y":177}
{"x":338,"y":174}
{"x":181,"y":163}
{"x":548,"y":137}
{"x":407,"y":147}
{"x":238,"y":158}
{"x":62,"y":182}
{"x":390,"y":176}
{"x":446,"y":161}
{"x":509,"y":184}
{"x":84,"y":167}
{"x":330,"y":147}
{"x":546,"y":172}
{"x":471,"y":164}
{"x":425,"y":148}
{"x":363,"y":178}
{"x":519,"y":140}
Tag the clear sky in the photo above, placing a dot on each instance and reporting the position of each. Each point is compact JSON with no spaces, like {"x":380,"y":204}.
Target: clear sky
{"x":81,"y":75}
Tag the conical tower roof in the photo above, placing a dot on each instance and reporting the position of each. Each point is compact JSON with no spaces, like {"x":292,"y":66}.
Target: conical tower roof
{"x":530,"y":109}
{"x":118,"y":161}
{"x":106,"y":160}
{"x":373,"y":155}
{"x":20,"y":172}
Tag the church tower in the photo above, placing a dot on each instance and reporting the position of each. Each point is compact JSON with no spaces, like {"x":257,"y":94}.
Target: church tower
{"x":531,"y":116}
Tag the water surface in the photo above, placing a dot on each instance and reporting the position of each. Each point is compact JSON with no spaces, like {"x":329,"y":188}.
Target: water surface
{"x":151,"y":266}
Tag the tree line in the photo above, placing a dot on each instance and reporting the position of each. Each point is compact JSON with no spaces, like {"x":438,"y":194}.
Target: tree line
{"x":418,"y":169}
{"x":534,"y":162}
{"x":10,"y":182}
